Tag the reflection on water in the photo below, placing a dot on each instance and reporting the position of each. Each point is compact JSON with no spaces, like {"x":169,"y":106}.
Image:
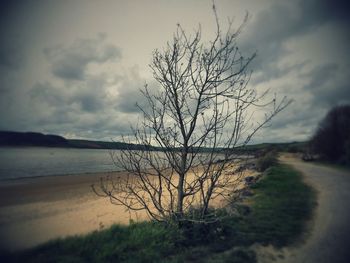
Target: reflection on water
{"x":18,"y":162}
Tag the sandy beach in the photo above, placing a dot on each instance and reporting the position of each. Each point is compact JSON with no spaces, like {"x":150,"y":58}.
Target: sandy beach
{"x":35,"y":210}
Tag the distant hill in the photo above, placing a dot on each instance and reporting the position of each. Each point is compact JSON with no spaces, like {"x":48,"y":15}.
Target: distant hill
{"x":10,"y":138}
{"x":106,"y":145}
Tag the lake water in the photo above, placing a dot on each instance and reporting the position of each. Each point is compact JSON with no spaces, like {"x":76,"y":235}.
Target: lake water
{"x":16,"y":162}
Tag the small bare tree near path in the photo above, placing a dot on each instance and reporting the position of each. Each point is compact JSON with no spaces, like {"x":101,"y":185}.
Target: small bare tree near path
{"x":203,"y":111}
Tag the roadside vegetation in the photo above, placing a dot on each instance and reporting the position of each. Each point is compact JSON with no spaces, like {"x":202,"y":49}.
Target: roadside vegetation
{"x":331,"y":141}
{"x":274,"y":213}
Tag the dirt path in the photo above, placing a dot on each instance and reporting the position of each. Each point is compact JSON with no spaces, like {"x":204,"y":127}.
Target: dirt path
{"x":329,"y":238}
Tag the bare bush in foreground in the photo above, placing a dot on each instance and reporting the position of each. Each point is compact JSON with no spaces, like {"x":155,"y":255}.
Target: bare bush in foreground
{"x":202,"y":112}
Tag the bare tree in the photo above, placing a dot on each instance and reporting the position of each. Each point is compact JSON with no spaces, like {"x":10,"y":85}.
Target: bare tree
{"x":203,"y":110}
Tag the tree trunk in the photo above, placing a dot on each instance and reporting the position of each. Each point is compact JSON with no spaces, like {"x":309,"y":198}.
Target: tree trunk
{"x":180,"y":196}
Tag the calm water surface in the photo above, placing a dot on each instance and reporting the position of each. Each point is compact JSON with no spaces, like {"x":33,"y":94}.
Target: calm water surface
{"x":16,"y":162}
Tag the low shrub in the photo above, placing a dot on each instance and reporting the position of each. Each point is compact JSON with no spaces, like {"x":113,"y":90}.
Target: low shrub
{"x":215,"y":231}
{"x":266,"y":161}
{"x":242,"y":255}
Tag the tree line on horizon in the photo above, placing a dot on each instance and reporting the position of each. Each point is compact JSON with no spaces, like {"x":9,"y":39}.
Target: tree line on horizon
{"x":331,"y":140}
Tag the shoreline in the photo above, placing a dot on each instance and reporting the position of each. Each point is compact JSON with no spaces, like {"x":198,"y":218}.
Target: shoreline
{"x":28,"y":187}
{"x":36,"y":210}
{"x":8,"y":180}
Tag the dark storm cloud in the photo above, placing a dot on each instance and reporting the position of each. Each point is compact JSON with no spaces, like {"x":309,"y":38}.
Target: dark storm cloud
{"x":325,"y":10}
{"x":283,"y":21}
{"x":90,"y":103}
{"x":92,"y":97}
{"x":85,"y":108}
{"x":11,"y":44}
{"x":324,"y":85}
{"x":46,"y":92}
{"x":71,"y":62}
{"x":19,"y":25}
{"x":11,"y":55}
{"x":329,"y":84}
{"x":130,"y":98}
{"x":74,"y":89}
{"x":321,"y":76}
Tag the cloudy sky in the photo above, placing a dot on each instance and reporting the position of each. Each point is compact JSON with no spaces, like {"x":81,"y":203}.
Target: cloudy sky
{"x":75,"y":68}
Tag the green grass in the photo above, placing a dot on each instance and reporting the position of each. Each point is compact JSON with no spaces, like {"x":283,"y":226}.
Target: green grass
{"x":280,"y":207}
{"x":141,"y":242}
{"x":279,"y":210}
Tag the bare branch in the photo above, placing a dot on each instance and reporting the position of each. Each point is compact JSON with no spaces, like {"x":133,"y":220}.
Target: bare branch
{"x":203,"y":111}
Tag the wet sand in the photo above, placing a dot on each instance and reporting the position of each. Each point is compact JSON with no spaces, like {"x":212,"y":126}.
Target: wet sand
{"x":35,"y":210}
